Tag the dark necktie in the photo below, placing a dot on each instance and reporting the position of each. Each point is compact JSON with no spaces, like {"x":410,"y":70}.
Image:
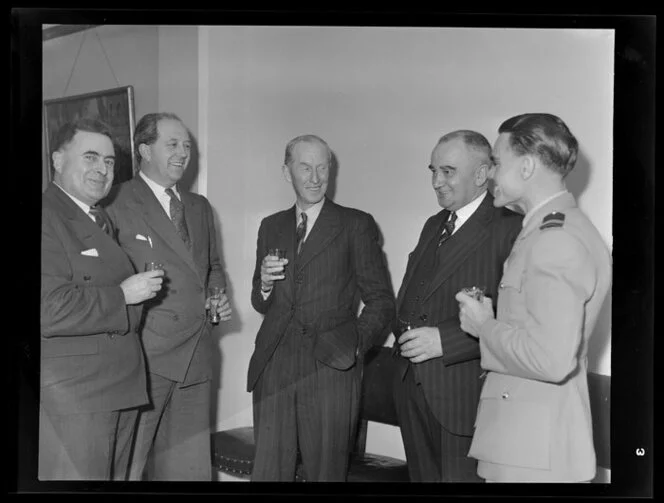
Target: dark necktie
{"x":301,"y":231}
{"x":448,"y":228}
{"x":100,"y":216}
{"x":177,"y":216}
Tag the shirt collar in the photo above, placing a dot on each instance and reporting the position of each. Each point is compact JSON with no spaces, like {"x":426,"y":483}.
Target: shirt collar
{"x":79,"y":203}
{"x":539,"y":205}
{"x":312,"y":212}
{"x":466,"y":211}
{"x":159,"y":190}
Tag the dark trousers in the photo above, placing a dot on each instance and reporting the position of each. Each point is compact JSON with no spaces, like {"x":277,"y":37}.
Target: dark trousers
{"x":173,"y":434}
{"x":301,"y":404}
{"x":85,"y":446}
{"x":433,"y":453}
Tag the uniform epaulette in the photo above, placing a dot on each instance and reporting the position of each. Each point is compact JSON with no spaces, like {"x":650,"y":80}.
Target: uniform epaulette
{"x":553,"y":219}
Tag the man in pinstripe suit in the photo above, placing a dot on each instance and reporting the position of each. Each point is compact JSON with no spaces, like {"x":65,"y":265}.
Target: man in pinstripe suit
{"x":304,"y":371}
{"x":439,"y":378}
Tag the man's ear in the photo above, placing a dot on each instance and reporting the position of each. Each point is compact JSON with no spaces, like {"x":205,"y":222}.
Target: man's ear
{"x":287,"y":174}
{"x":57,"y":161}
{"x":482,"y":174}
{"x":145,"y":152}
{"x":527,"y":167}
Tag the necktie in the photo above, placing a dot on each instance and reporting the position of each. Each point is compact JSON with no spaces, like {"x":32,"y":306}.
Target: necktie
{"x":448,"y":228}
{"x":177,"y":216}
{"x":301,"y":231}
{"x":101,"y":218}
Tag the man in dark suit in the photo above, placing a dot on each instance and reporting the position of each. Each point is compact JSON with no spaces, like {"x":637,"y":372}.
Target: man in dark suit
{"x":156,"y":221}
{"x":92,"y":366}
{"x":439,"y":378}
{"x":304,"y":372}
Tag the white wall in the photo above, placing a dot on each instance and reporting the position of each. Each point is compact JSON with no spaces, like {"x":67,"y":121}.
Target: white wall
{"x":382,"y":97}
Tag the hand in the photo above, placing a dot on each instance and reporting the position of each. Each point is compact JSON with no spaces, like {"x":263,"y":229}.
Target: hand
{"x":272,"y":269}
{"x":473,"y":314}
{"x":420,"y":344}
{"x":221,"y":304}
{"x":142,"y":286}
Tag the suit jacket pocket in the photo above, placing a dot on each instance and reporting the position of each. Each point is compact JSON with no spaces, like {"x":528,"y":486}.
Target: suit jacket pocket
{"x":513,"y":432}
{"x":69,"y":346}
{"x":336,"y":347}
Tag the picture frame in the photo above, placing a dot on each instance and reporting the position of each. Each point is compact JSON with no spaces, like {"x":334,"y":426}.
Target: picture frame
{"x":113,"y":106}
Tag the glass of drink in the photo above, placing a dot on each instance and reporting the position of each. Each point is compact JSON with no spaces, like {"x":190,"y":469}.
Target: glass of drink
{"x":214,"y":292}
{"x":476,"y":292}
{"x":279,"y":253}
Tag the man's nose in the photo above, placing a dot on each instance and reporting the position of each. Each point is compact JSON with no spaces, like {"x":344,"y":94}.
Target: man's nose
{"x":315,"y":176}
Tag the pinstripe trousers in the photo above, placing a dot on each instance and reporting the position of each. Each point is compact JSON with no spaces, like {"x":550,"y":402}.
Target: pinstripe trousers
{"x":301,"y":405}
{"x":433,"y":454}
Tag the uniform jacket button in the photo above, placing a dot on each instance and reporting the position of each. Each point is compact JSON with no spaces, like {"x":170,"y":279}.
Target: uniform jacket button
{"x":506,"y":395}
{"x":502,"y":285}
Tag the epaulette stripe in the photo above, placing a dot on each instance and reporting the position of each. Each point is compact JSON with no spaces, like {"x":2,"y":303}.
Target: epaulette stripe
{"x":551,"y":224}
{"x":554,"y":215}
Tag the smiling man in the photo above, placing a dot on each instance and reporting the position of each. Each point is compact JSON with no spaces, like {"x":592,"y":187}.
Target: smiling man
{"x":305,"y":370}
{"x":158,"y":221}
{"x":92,"y":366}
{"x":438,"y":380}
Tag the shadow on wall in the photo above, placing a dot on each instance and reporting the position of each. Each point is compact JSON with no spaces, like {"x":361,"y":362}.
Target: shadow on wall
{"x":577,"y":180}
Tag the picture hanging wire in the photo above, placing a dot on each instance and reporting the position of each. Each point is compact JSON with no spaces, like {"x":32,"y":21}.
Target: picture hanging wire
{"x":108,"y":62}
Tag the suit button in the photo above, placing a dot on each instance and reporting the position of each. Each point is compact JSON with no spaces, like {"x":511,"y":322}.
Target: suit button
{"x":502,"y":285}
{"x":421,"y":283}
{"x":86,"y":277}
{"x":176,"y":317}
{"x":299,"y":278}
{"x":304,"y":330}
{"x":506,"y":395}
{"x":292,"y":309}
{"x":417,"y":298}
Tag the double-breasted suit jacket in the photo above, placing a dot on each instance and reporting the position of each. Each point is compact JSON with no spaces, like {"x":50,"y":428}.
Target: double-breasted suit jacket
{"x":472,"y":256}
{"x":533,"y":421}
{"x":175,"y":332}
{"x":91,"y":357}
{"x":340,"y":258}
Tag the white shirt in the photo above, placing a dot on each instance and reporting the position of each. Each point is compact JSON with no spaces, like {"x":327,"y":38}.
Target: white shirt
{"x":312,"y":216}
{"x":539,"y":205}
{"x":78,"y":202}
{"x":465,"y":212}
{"x":160,"y":193}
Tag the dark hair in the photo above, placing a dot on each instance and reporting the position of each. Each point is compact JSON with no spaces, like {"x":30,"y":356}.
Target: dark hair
{"x":472,"y":139}
{"x":305,"y":138}
{"x":147,"y":132}
{"x":545,"y":136}
{"x":67,"y":132}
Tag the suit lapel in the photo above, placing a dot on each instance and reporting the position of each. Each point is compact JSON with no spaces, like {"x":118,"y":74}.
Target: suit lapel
{"x":145,"y":203}
{"x":327,"y":227}
{"x":196,"y":229}
{"x":462,"y":243}
{"x":86,"y":229}
{"x":430,"y":234}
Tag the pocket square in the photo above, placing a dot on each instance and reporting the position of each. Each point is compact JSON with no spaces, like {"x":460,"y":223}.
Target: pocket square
{"x":92,"y":252}
{"x":141,"y":237}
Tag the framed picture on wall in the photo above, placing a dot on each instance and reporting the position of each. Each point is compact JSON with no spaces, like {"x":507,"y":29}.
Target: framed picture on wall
{"x":113,"y":106}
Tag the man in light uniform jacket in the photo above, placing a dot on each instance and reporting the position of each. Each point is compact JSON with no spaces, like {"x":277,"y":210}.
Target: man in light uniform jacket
{"x":533,"y":422}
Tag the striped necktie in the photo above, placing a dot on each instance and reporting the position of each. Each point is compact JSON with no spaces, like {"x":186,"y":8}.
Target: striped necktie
{"x":301,"y":231}
{"x":448,"y":228}
{"x":101,"y":218}
{"x":177,"y":216}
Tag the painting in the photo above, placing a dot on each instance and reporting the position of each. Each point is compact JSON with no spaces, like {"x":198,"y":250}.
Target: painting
{"x":113,"y":106}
